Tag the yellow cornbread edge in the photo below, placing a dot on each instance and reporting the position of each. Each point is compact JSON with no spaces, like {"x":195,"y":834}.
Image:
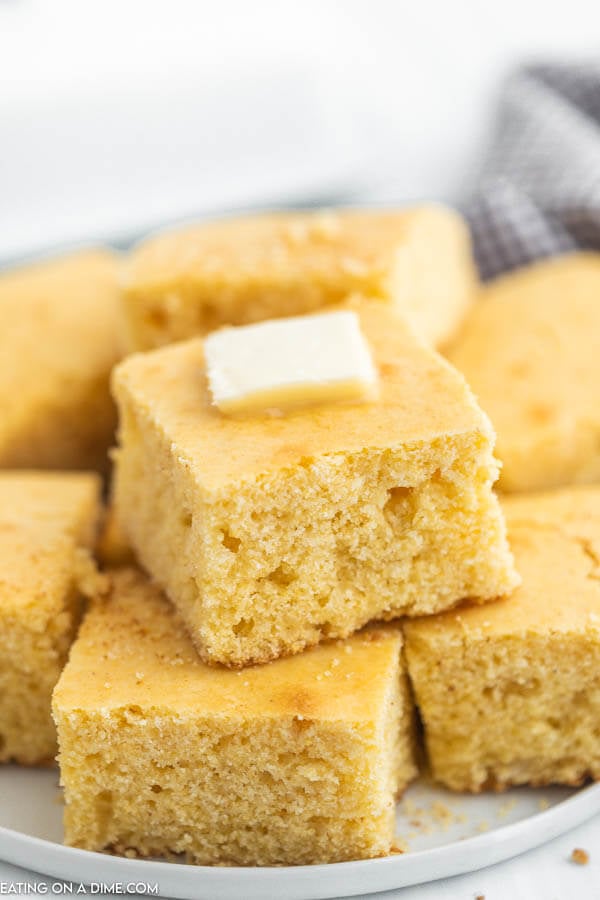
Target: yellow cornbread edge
{"x":529,"y":350}
{"x":376,"y":743}
{"x":38,"y":628}
{"x":537,"y":673}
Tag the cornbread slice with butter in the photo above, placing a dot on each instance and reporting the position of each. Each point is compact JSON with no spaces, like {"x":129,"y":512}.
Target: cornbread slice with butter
{"x":509,"y":693}
{"x":58,"y":343}
{"x":47,"y":526}
{"x":272,"y":533}
{"x":531,"y":352}
{"x":236,"y":271}
{"x":298,"y":761}
{"x":284,"y":363}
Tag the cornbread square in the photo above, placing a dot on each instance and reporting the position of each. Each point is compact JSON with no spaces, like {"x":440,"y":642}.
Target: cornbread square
{"x":235,"y":271}
{"x":47,"y":524}
{"x":58,"y":343}
{"x":298,"y":761}
{"x":510,"y":693}
{"x":272,"y":533}
{"x":531,"y":352}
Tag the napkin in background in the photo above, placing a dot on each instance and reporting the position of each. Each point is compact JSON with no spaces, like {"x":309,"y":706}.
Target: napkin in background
{"x":539,"y":190}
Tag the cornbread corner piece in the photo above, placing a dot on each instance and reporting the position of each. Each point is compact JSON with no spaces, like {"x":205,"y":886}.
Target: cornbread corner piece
{"x":58,"y":343}
{"x":272,"y":533}
{"x":235,"y":271}
{"x":510,"y":693}
{"x":531,"y":352}
{"x":298,"y":761}
{"x":47,"y":525}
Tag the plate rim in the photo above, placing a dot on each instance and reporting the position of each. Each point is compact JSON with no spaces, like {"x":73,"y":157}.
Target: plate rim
{"x":317,"y":882}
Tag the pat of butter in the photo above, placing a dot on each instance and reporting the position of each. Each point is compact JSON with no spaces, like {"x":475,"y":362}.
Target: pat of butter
{"x":287,"y":363}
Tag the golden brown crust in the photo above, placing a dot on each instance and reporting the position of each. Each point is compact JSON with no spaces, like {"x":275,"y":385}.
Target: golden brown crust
{"x":234,"y":271}
{"x":293,"y":762}
{"x":531,"y":353}
{"x":58,"y":343}
{"x":271,"y":534}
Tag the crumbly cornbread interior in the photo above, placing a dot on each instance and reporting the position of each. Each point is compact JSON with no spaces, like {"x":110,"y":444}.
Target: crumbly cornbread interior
{"x":235,"y":271}
{"x":531,"y":352}
{"x":58,"y":344}
{"x":295,"y":762}
{"x":47,"y":524}
{"x":509,"y":693}
{"x":270,"y":534}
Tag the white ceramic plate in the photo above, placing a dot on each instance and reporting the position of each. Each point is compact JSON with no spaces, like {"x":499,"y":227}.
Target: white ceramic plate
{"x":447,"y":835}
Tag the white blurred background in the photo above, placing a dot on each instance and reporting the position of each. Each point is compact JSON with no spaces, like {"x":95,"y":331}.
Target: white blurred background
{"x":117,"y":116}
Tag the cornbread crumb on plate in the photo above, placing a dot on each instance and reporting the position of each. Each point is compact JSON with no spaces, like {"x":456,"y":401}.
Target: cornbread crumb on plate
{"x":272,"y":765}
{"x":58,"y":344}
{"x":579,"y":856}
{"x":273,"y":533}
{"x":235,"y":271}
{"x":47,"y":525}
{"x":530,"y":350}
{"x":509,"y":693}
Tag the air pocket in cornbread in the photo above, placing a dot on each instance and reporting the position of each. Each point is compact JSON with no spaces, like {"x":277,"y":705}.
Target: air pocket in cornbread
{"x":272,"y":533}
{"x":509,"y":693}
{"x":297,"y":761}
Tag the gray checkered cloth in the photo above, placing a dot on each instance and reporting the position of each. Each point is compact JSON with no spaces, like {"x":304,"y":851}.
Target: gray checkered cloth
{"x":539,"y":191}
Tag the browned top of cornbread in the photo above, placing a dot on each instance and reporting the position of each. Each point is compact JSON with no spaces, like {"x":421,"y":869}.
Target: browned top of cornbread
{"x":44,"y":517}
{"x":555,"y":538}
{"x":132,"y":650}
{"x":58,"y":324}
{"x":421,"y":398}
{"x":358,"y":248}
{"x":531,"y":352}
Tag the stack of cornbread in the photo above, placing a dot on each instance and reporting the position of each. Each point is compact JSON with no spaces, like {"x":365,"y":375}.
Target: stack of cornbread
{"x":287,"y":570}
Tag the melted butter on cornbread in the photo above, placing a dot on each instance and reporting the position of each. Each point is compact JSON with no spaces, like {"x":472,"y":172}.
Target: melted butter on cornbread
{"x":287,"y":363}
{"x":172,"y":388}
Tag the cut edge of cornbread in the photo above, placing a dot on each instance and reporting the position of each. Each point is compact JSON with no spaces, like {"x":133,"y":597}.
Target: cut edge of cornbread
{"x":295,"y":762}
{"x":509,"y":694}
{"x":49,"y":571}
{"x":529,"y":740}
